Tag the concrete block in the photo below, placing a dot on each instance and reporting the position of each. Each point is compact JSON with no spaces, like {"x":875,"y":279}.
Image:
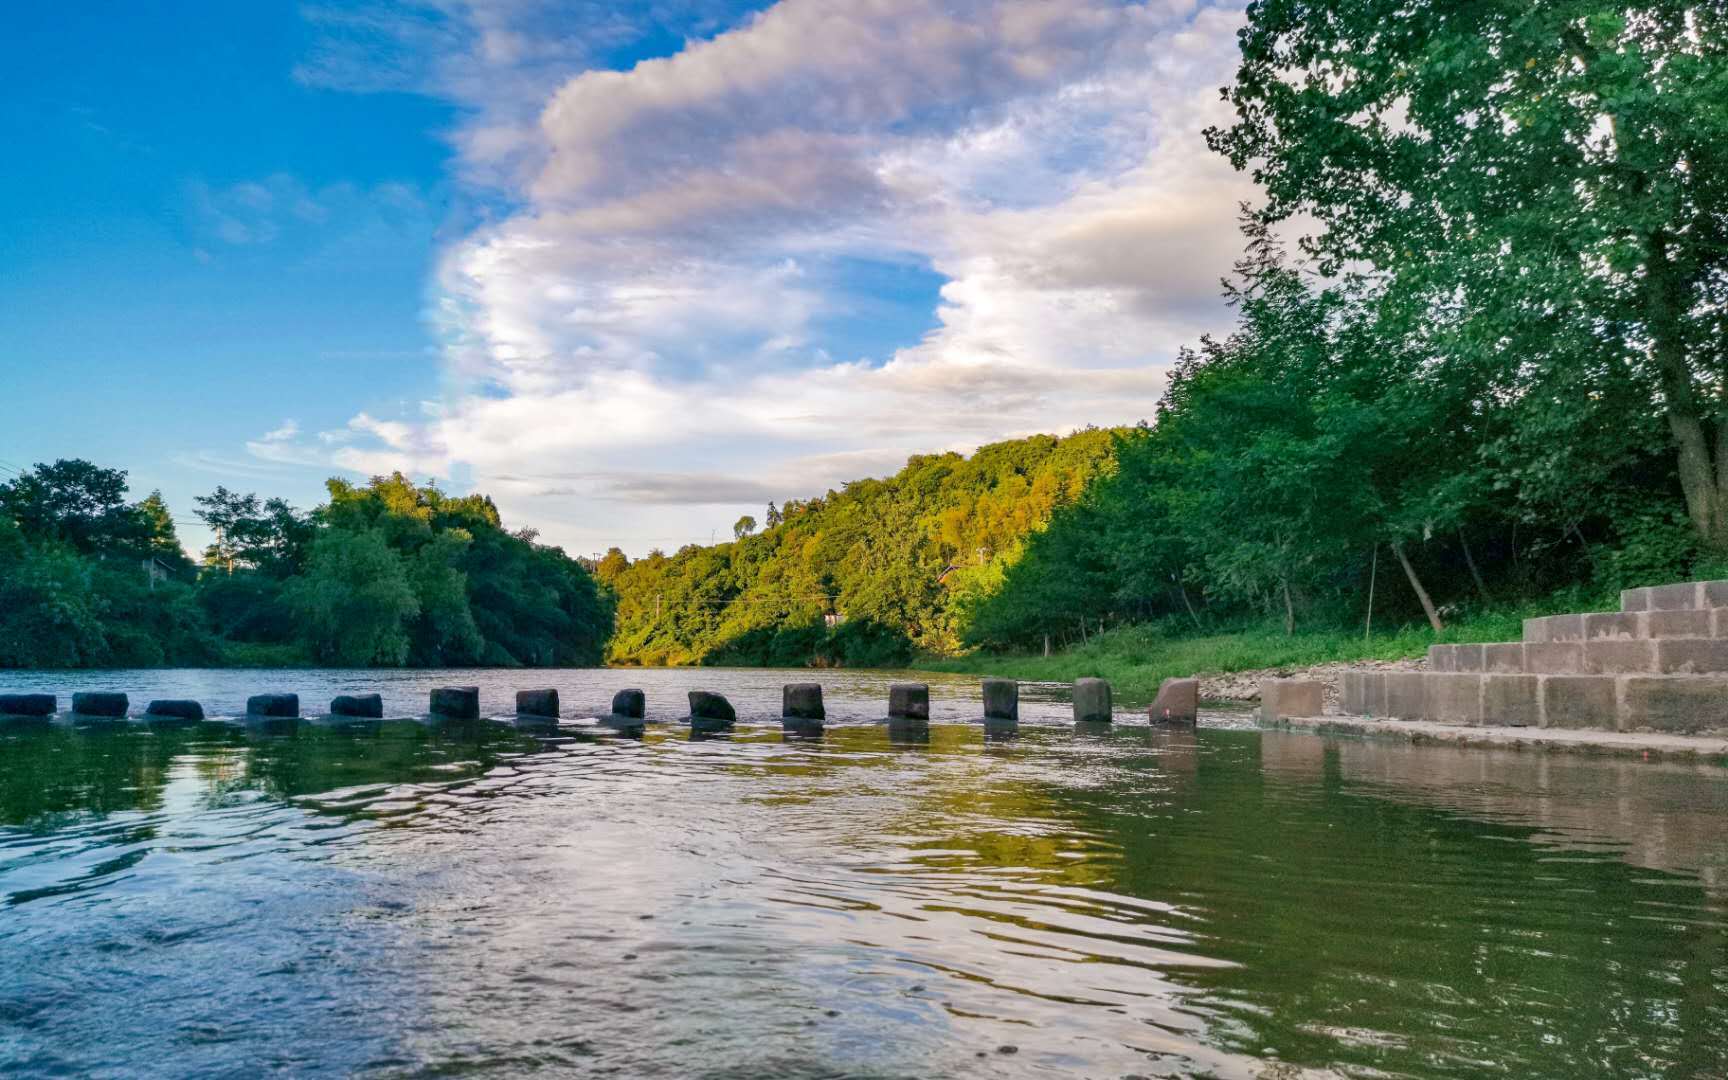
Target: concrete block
{"x":706,"y":705}
{"x":1634,"y":599}
{"x":1536,"y":630}
{"x":1686,"y":594}
{"x":99,"y":703}
{"x":1405,"y":694}
{"x":1363,"y":693}
{"x":175,"y":710}
{"x":278,"y":704}
{"x":1504,"y":659}
{"x":1691,"y":656}
{"x":909,"y":701}
{"x":543,"y":703}
{"x":1442,"y":658}
{"x":1512,"y":700}
{"x":1714,"y":594}
{"x":1680,"y":704}
{"x":1554,"y":657}
{"x":1280,"y":698}
{"x":802,"y":701}
{"x":1696,"y":622}
{"x":1560,"y":628}
{"x":29,"y":704}
{"x":1619,"y":657}
{"x":454,"y":703}
{"x":1178,"y":702}
{"x":1002,"y":699}
{"x":630,"y":704}
{"x":1580,"y":701}
{"x":1611,"y":624}
{"x":1453,"y":699}
{"x":365,"y":706}
{"x":1469,"y":657}
{"x":1092,"y":703}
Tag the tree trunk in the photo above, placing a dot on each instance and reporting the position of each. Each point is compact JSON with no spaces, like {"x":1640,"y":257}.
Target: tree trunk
{"x":1470,"y":561}
{"x":1189,"y":604}
{"x":1289,"y":611}
{"x":1373,"y":573}
{"x":1702,"y":467}
{"x":1416,"y":584}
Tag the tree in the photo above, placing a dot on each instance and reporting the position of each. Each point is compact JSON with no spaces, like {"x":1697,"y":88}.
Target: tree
{"x":743,"y":527}
{"x":1544,"y":181}
{"x":354,"y":601}
{"x":774,"y":516}
{"x":266,"y":534}
{"x":73,"y":502}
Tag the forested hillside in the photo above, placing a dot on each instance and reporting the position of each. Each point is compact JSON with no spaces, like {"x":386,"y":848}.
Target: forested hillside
{"x":383,"y":574}
{"x":868,"y":575}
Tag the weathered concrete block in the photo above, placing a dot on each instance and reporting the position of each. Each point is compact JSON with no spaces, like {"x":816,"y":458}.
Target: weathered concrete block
{"x":1505,"y":658}
{"x":631,"y":704}
{"x":1469,"y":658}
{"x":277,"y":704}
{"x":1634,"y":599}
{"x":1363,"y":693}
{"x":367,"y":706}
{"x":1001,"y":699}
{"x":1694,"y":622}
{"x":1680,"y":704}
{"x":1580,"y":701}
{"x":1512,"y":700}
{"x":455,"y":703}
{"x":1536,"y":630}
{"x":1092,"y":702}
{"x":1556,"y":628}
{"x":1554,"y":657}
{"x":1442,"y":658}
{"x":1713,"y":594}
{"x":1619,"y":657}
{"x":1280,"y":698}
{"x":1178,"y":702}
{"x":541,"y":703}
{"x":175,"y":709}
{"x":706,"y":705}
{"x":29,"y":704}
{"x":1611,"y":624}
{"x":909,"y":701}
{"x":1686,"y":594}
{"x":1453,"y":699}
{"x":1405,"y":694}
{"x":99,"y":703}
{"x":802,"y":701}
{"x":1691,"y":656}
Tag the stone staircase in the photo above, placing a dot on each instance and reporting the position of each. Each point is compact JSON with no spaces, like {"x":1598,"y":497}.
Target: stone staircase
{"x":1660,"y":663}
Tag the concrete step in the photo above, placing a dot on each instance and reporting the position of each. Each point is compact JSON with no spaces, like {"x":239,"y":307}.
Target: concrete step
{"x":1682,"y":704}
{"x":1684,"y":596}
{"x":1598,"y":656}
{"x":1619,"y":625}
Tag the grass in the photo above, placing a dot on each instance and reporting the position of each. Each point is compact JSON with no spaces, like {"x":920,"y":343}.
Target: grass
{"x":1137,"y":658}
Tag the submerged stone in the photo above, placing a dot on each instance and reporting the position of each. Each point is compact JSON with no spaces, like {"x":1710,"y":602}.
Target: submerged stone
{"x":1001,"y":700}
{"x":29,"y":704}
{"x":909,"y":701}
{"x":1092,"y":702}
{"x":543,"y":703}
{"x":802,"y":701}
{"x":1178,"y":702}
{"x":273,"y":705}
{"x":174,"y":710}
{"x":456,"y":703}
{"x":711,"y":709}
{"x":630,"y":704}
{"x":100,"y":703}
{"x":358,"y":705}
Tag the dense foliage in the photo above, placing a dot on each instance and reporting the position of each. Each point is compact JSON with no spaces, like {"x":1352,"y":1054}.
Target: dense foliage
{"x":387,"y":573}
{"x":864,"y":576}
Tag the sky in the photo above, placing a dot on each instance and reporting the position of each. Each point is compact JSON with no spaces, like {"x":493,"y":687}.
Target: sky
{"x":633,"y":269}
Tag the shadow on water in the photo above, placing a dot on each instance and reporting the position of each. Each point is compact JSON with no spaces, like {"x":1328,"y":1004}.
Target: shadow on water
{"x":1109,"y":902}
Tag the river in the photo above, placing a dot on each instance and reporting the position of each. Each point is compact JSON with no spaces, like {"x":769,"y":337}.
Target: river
{"x":1124,"y":902}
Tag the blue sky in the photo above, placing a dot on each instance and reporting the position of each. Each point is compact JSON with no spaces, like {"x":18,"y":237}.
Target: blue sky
{"x":633,"y":269}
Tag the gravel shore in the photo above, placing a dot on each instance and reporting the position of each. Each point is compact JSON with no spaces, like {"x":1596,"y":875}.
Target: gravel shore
{"x":1244,"y":686}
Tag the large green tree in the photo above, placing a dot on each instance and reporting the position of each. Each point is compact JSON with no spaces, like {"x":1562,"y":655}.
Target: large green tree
{"x":1543,"y":180}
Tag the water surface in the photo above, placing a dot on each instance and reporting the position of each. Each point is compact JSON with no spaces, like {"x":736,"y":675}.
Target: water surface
{"x":1133,"y":902}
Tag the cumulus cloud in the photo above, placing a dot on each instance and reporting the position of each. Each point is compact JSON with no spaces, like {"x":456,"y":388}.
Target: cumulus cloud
{"x":653,"y":327}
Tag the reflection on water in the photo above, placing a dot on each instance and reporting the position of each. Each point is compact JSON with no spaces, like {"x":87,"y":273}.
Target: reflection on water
{"x":1133,"y":902}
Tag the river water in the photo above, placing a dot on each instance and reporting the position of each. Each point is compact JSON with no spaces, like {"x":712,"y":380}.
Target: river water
{"x":1130,"y":902}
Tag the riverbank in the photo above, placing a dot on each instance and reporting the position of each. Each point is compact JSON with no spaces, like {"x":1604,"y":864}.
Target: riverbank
{"x":1231,"y":664}
{"x":1639,"y":744}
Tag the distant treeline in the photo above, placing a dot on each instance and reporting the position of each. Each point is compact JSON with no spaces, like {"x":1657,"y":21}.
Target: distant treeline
{"x":383,"y":574}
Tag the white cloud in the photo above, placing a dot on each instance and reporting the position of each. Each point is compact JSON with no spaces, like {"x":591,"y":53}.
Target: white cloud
{"x":648,"y":331}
